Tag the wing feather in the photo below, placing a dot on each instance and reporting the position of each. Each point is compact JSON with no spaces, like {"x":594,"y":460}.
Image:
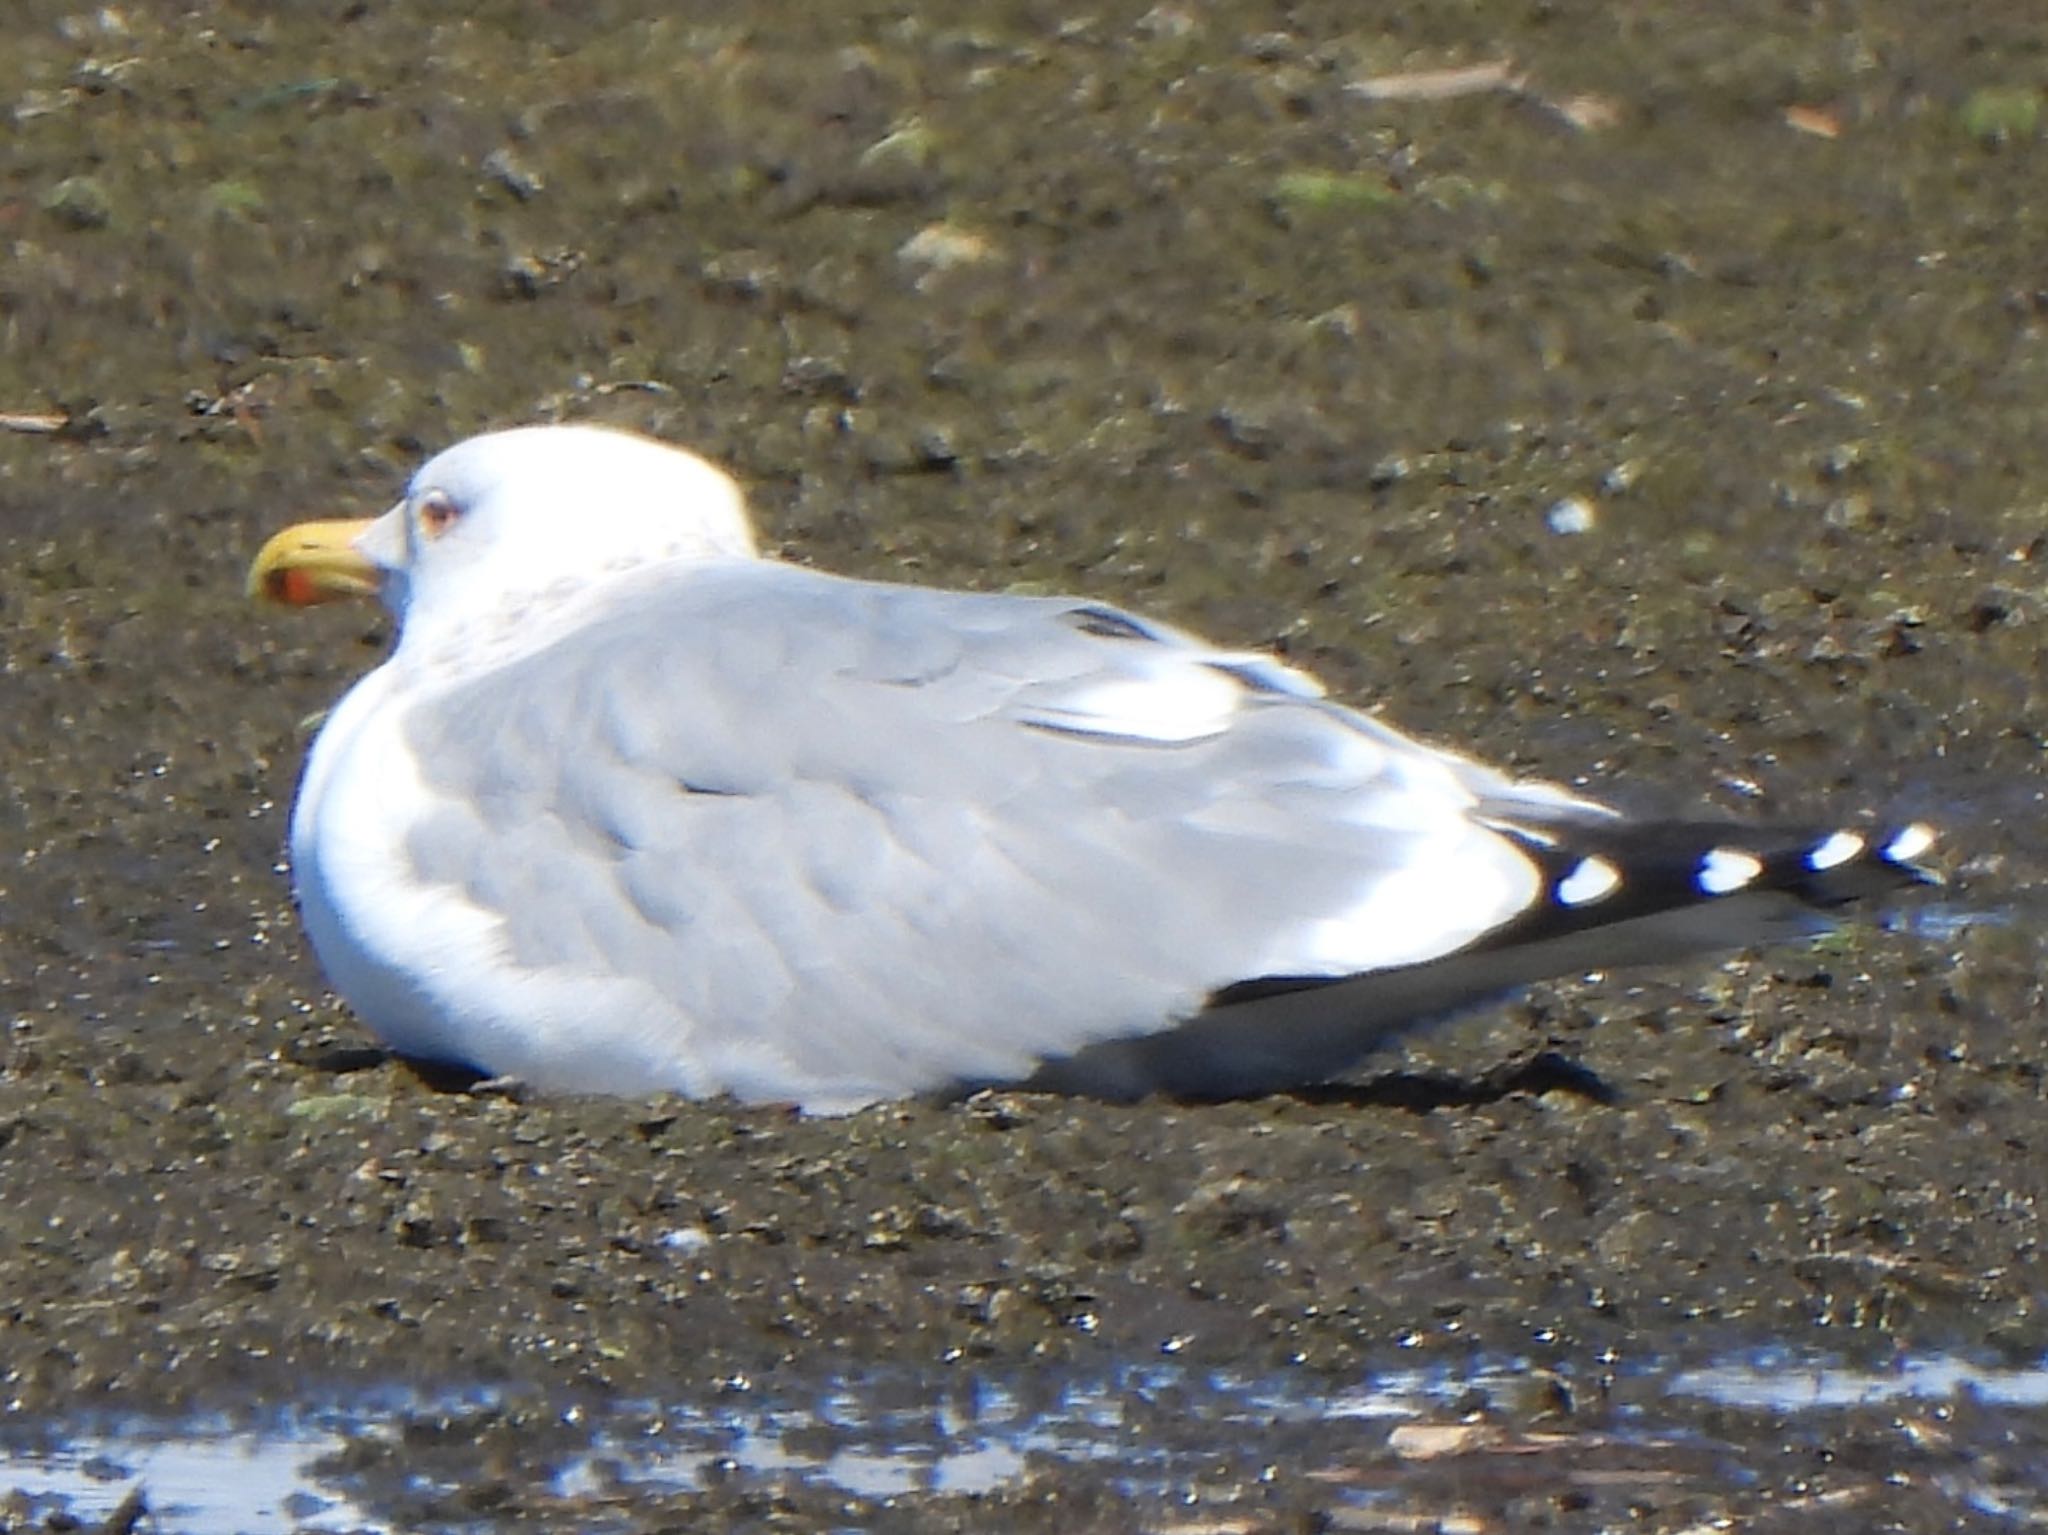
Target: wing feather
{"x":921,"y":837}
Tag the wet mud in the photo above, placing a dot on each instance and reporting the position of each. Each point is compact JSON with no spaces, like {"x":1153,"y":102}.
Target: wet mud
{"x":1666,"y":418}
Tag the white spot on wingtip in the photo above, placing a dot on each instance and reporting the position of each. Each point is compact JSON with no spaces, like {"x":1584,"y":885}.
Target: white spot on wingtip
{"x":1910,"y":843}
{"x":1834,"y":851}
{"x":1592,"y":880}
{"x":1727,"y":869}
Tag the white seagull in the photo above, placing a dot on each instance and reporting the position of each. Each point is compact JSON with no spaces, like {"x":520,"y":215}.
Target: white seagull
{"x":631,"y":808}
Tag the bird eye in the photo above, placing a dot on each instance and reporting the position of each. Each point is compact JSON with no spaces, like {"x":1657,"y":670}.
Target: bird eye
{"x":437,"y":513}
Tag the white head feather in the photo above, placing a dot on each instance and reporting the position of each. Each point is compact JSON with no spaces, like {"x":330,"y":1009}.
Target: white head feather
{"x":500,"y":522}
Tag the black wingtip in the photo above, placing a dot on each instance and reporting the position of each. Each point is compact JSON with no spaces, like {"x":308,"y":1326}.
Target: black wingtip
{"x":1598,"y":873}
{"x":1617,"y":891}
{"x":1846,"y":865}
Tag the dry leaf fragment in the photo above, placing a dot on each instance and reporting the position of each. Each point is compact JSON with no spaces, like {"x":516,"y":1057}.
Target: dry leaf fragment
{"x":1818,"y":121}
{"x":1587,"y":113}
{"x":1439,"y":84}
{"x":33,"y":422}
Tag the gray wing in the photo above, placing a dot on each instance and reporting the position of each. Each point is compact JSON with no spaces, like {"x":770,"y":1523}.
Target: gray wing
{"x":891,"y":838}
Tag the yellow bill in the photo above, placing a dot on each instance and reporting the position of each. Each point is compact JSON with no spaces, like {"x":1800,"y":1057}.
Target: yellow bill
{"x":312,"y":562}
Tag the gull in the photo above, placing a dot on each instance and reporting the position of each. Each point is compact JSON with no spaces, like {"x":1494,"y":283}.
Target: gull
{"x":631,"y":807}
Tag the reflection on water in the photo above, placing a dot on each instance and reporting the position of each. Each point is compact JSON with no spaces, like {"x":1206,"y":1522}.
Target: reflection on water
{"x":1146,"y":1431}
{"x":1781,"y":1384}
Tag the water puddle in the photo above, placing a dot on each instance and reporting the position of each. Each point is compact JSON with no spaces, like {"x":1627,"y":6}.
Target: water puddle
{"x":203,"y":1474}
{"x":1145,"y":1433}
{"x":1779,"y":1384}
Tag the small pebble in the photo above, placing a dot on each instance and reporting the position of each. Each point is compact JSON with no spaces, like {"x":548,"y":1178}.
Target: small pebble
{"x":1573,"y":514}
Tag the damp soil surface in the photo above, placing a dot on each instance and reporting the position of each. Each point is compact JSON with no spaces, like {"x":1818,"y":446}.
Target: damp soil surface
{"x":1660,"y":411}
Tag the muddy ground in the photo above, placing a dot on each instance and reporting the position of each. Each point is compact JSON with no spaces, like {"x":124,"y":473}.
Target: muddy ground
{"x":1145,"y":303}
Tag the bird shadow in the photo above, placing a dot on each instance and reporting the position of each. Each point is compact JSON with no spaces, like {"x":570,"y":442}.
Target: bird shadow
{"x":1423,"y":1092}
{"x":1417,"y":1092}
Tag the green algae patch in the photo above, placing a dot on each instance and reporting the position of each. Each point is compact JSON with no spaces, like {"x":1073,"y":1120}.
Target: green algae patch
{"x":327,"y":1108}
{"x":1997,"y":115}
{"x":1331,"y":191}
